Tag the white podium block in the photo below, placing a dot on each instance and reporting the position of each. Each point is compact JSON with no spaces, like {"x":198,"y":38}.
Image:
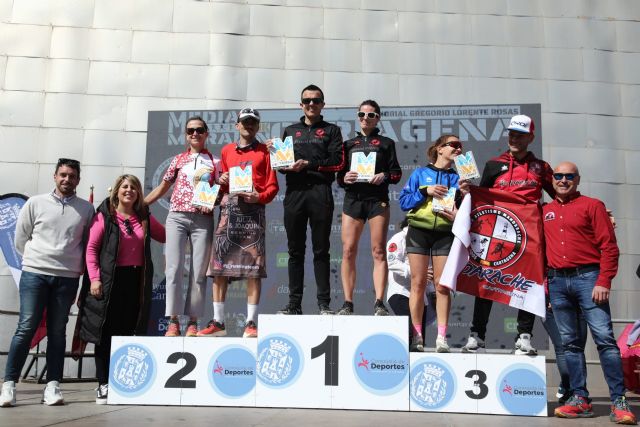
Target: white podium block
{"x":182,"y":371}
{"x":351,"y":362}
{"x":287,"y":375}
{"x":373,"y":363}
{"x":478,"y":383}
{"x":138,"y":371}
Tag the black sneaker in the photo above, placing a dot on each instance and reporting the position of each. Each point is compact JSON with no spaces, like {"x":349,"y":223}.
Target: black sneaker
{"x":290,"y":309}
{"x":324,"y":309}
{"x":417,"y":344}
{"x":347,"y":309}
{"x":379,"y":309}
{"x":101,"y":395}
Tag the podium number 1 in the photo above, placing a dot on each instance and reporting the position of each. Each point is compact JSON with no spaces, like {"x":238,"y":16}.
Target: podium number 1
{"x":330,"y":348}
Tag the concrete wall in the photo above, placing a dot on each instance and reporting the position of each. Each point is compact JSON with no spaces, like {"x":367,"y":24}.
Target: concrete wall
{"x":77,"y":78}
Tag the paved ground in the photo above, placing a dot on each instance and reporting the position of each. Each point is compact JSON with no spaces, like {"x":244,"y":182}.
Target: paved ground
{"x":81,"y":410}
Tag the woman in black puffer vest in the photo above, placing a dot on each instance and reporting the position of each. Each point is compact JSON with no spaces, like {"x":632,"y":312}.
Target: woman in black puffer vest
{"x":116,"y":291}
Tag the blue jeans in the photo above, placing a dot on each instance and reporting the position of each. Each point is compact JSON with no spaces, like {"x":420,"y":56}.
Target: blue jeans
{"x":567,"y":295}
{"x":551,"y":327}
{"x":37,"y":292}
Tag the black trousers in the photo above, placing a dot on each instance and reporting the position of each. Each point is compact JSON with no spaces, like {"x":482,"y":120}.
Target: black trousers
{"x":482,"y":310}
{"x":121,"y":317}
{"x":311,"y":205}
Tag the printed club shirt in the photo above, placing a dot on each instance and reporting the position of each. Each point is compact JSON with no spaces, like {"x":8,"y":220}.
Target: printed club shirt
{"x":181,"y":172}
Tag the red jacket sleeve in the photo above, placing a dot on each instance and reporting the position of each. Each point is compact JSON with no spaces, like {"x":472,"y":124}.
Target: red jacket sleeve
{"x":605,"y":240}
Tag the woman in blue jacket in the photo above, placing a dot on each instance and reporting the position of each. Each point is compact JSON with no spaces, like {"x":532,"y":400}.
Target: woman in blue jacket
{"x":429,"y":234}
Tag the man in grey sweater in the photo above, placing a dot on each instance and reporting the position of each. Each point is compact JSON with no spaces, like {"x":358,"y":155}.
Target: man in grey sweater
{"x":51,"y":234}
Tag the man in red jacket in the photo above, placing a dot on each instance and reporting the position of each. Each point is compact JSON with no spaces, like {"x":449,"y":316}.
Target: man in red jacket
{"x":239,"y":241}
{"x":582,"y":255}
{"x":517,"y":171}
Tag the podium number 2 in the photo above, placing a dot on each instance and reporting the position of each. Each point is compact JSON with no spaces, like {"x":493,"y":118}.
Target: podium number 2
{"x":176,"y":380}
{"x":330,"y":348}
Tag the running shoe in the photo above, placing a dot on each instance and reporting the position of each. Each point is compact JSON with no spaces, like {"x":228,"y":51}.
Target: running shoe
{"x":213,"y":329}
{"x":524,"y":347}
{"x":441,"y":345}
{"x":474,"y":343}
{"x":290,"y":309}
{"x":379,"y":309}
{"x":52,"y":395}
{"x":324,"y":309}
{"x":8,"y":396}
{"x":192,"y":329}
{"x":250,"y":330}
{"x":621,"y":413}
{"x":417,"y":344}
{"x":174,"y":329}
{"x":346,"y":310}
{"x":576,"y":407}
{"x":101,"y":394}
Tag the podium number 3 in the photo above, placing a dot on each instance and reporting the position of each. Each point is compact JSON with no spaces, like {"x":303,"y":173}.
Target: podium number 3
{"x":330,"y":348}
{"x":479,"y":380}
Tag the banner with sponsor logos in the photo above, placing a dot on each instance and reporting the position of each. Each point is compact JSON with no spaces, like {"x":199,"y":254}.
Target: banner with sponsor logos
{"x":346,"y":362}
{"x":10,"y":206}
{"x":498,"y":252}
{"x":482,"y":129}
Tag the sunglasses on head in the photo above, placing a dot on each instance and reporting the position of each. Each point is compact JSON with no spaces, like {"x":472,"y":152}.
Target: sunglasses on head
{"x":307,"y":101}
{"x":569,"y":176}
{"x":199,"y":130}
{"x":369,"y":115}
{"x":127,"y":226}
{"x":456,"y":145}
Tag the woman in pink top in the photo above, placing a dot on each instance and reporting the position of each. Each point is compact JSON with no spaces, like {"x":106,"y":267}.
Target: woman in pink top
{"x":116,"y":293}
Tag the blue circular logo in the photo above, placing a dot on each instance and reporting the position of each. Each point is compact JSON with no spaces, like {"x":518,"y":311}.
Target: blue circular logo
{"x":381,"y":364}
{"x":132,"y":370}
{"x":522,"y":390}
{"x":279,"y":361}
{"x":433,"y":384}
{"x":232,"y":371}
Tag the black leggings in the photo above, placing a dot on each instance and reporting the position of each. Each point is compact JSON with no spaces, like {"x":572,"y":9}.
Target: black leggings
{"x":121,"y":317}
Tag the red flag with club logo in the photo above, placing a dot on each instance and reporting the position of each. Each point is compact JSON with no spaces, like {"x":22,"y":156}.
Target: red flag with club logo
{"x":498,"y":251}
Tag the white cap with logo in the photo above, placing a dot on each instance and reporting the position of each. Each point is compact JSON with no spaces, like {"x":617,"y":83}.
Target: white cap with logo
{"x":521,"y":123}
{"x":246,"y":113}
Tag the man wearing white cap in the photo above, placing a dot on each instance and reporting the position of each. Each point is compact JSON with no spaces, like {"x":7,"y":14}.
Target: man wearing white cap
{"x":239,"y":241}
{"x":517,"y":171}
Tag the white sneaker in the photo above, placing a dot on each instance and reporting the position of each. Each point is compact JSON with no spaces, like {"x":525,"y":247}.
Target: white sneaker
{"x":8,"y":396}
{"x":523,"y":346}
{"x":52,"y":395}
{"x":474,"y":343}
{"x":101,"y":395}
{"x":441,"y":345}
